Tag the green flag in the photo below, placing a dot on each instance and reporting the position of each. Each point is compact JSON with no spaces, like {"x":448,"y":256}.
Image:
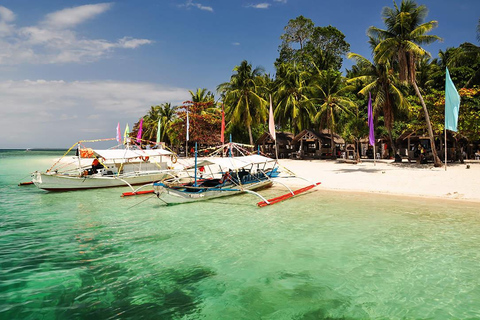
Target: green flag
{"x":158,"y":132}
{"x":125,"y":134}
{"x":452,"y":104}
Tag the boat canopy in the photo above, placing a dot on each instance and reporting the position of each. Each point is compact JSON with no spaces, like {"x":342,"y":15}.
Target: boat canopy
{"x":114,"y":154}
{"x":234,"y":163}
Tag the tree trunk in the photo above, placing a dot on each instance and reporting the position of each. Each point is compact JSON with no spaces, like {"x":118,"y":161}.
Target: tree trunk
{"x":394,"y":147}
{"x":250,"y":134}
{"x":436,"y":160}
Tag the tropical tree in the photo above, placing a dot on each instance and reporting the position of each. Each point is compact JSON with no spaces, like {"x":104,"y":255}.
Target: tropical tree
{"x":202,"y":95}
{"x":354,"y":128}
{"x":331,"y":98}
{"x":380,"y":81}
{"x":150,"y":123}
{"x":400,"y":42}
{"x":304,"y":44}
{"x":294,"y":109}
{"x":243,"y":104}
{"x":204,"y":127}
{"x":167,"y":116}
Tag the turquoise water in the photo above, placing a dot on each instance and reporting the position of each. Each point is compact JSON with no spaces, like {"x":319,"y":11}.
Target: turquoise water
{"x":94,"y":255}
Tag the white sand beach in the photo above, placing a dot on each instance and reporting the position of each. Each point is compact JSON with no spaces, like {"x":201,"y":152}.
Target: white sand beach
{"x":386,"y":177}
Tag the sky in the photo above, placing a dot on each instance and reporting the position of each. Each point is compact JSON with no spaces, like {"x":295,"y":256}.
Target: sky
{"x":72,"y":70}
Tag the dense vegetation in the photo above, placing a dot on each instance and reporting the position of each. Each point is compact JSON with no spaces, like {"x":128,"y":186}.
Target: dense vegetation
{"x":309,"y":91}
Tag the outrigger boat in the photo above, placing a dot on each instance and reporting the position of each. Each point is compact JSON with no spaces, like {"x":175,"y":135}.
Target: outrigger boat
{"x":233,"y":175}
{"x":104,"y":168}
{"x":226,"y":176}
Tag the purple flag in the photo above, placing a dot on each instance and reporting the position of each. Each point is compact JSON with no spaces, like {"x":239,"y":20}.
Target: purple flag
{"x":371,"y":136}
{"x":139,"y":134}
{"x":119,"y":135}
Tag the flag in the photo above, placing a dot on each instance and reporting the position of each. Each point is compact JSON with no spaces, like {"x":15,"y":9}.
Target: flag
{"x":452,"y":104}
{"x":271,"y":121}
{"x":371,"y":136}
{"x":139,"y":134}
{"x":119,"y":135}
{"x":223,"y":127}
{"x":188,"y":127}
{"x":126,"y":134}
{"x":158,"y":131}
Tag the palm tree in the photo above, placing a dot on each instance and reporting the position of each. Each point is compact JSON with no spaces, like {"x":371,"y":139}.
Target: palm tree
{"x":243,"y":103}
{"x":330,"y":93}
{"x":201,"y":95}
{"x":400,"y":42}
{"x":150,"y":123}
{"x":381,"y":82}
{"x":294,"y":107}
{"x":167,"y":115}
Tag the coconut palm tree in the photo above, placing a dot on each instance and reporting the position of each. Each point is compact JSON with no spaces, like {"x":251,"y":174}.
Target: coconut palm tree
{"x":243,"y":104}
{"x":167,"y":116}
{"x":294,"y":107}
{"x":330,"y":95}
{"x":150,"y":123}
{"x":202,"y":95}
{"x":386,"y":91}
{"x":401,"y":42}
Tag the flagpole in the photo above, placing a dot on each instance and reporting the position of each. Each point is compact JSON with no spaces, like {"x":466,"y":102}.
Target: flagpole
{"x":445,"y":149}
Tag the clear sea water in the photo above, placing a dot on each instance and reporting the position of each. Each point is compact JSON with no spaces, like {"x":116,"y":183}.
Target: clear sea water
{"x":324,"y":255}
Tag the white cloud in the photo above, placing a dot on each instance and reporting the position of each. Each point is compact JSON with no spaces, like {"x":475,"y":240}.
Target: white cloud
{"x":71,"y":17}
{"x":6,"y":16}
{"x":260,"y":5}
{"x":236,"y":43}
{"x":190,"y":4}
{"x":131,"y":43}
{"x":58,"y":113}
{"x":53,"y":40}
{"x":281,"y":1}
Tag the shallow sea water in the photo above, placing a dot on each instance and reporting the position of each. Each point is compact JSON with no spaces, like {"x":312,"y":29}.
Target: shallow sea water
{"x":324,"y":255}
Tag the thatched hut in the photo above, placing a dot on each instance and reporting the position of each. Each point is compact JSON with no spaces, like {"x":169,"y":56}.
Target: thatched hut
{"x":317,"y":145}
{"x":284,"y":144}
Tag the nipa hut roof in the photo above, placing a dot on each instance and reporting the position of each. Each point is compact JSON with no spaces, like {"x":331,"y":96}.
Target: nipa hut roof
{"x":282,"y":137}
{"x":321,"y":136}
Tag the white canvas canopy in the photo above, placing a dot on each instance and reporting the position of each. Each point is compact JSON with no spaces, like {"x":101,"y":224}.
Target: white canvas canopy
{"x":117,"y":154}
{"x":234,"y":163}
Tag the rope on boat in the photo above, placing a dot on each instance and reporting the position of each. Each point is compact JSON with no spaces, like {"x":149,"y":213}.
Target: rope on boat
{"x":63,"y":156}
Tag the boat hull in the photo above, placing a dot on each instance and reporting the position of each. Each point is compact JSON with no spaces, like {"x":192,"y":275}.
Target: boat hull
{"x":58,"y":182}
{"x":175,"y":196}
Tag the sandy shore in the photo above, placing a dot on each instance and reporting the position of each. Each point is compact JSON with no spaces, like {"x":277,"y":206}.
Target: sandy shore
{"x":386,"y":177}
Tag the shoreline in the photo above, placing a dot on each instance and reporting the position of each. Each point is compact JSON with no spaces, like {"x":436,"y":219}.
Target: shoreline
{"x":389,"y":178}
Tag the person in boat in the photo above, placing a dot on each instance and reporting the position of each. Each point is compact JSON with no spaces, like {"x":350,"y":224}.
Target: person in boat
{"x":242,"y":173}
{"x":96,"y":165}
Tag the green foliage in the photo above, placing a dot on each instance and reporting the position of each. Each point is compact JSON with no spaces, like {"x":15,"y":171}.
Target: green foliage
{"x":305,"y":45}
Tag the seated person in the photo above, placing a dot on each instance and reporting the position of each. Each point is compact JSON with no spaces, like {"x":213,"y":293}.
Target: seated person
{"x":96,"y":165}
{"x":242,"y":173}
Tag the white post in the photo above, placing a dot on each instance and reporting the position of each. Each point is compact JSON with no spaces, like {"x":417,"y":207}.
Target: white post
{"x":445,"y":149}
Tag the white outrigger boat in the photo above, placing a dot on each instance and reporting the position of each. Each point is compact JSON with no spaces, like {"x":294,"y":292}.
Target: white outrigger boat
{"x":221,"y":177}
{"x":225,"y":176}
{"x":105,"y":168}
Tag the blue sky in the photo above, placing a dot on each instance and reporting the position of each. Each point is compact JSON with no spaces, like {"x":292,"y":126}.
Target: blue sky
{"x":71,"y":70}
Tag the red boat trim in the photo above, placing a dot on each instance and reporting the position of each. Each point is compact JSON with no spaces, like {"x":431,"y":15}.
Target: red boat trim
{"x":126,"y":194}
{"x":25,"y":183}
{"x":286,"y":196}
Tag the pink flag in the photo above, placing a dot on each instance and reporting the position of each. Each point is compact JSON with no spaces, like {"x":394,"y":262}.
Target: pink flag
{"x":271,"y":122}
{"x":119,"y":135}
{"x":139,"y":134}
